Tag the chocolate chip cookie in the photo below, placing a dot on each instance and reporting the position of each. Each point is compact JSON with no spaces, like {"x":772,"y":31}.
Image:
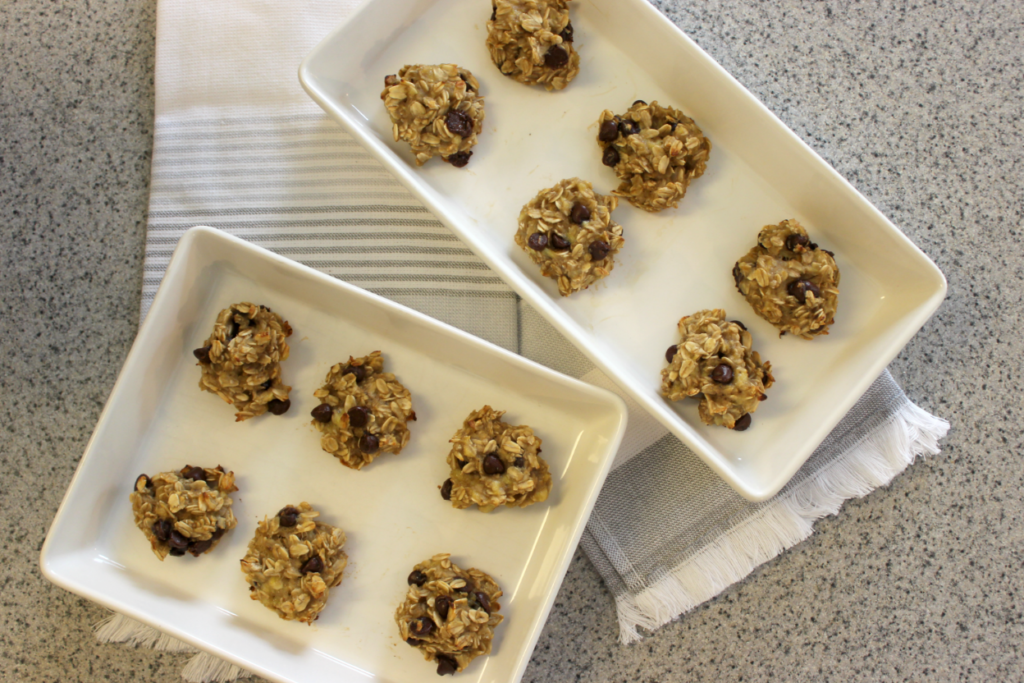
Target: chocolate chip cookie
{"x":655,"y":151}
{"x":790,"y":281}
{"x":449,"y":613}
{"x":437,"y":109}
{"x":185,"y":511}
{"x":714,"y":362}
{"x":531,"y":41}
{"x":568,"y":230}
{"x":241,"y":360}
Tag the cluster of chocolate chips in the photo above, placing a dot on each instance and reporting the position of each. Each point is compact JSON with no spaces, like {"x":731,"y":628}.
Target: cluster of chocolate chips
{"x":539,"y":241}
{"x":358,"y":416}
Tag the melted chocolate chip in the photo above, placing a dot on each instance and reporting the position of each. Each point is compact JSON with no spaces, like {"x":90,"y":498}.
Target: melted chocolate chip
{"x":566,"y":33}
{"x":446,"y":489}
{"x":288,"y":516}
{"x":391,"y":80}
{"x":266,"y":385}
{"x":494,"y":13}
{"x":465,"y":80}
{"x":203,"y":354}
{"x":742,"y":326}
{"x":538,"y":241}
{"x":193,"y":473}
{"x":599,"y":249}
{"x":146,"y":479}
{"x":459,"y":159}
{"x":796,"y":240}
{"x":357,"y":370}
{"x":446,"y":666}
{"x":722,"y":374}
{"x":493,"y":465}
{"x":313,"y":565}
{"x":322,"y":413}
{"x":359,"y":416}
{"x":458,"y":122}
{"x":800,"y":288}
{"x":177,"y":540}
{"x":369,"y":444}
{"x":200,"y":547}
{"x":413,"y":641}
{"x":636,"y":102}
{"x":484,"y":603}
{"x":579,"y":213}
{"x":609,"y":131}
{"x":558,"y":242}
{"x":627,"y":128}
{"x":423,"y":626}
{"x":442,"y":605}
{"x":743,"y":423}
{"x":417,"y":578}
{"x":556,"y":57}
{"x":162,"y":529}
{"x":519,"y":462}
{"x":737,"y":274}
{"x":670,"y":352}
{"x":829,"y":253}
{"x":177,"y":552}
{"x":610,"y":156}
{"x":279,"y":407}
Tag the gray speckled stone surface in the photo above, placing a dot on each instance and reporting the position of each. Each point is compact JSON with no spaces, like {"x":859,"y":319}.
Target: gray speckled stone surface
{"x":917,"y":103}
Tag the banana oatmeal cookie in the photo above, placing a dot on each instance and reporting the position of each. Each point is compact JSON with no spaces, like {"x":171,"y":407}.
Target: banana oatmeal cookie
{"x":449,"y":613}
{"x":437,"y":109}
{"x":493,"y":463}
{"x":789,"y":281}
{"x":183,"y":511}
{"x":363,"y":412}
{"x":293,"y":561}
{"x":714,"y":358}
{"x":531,"y":41}
{"x":568,"y":230}
{"x":655,"y":151}
{"x":241,"y":360}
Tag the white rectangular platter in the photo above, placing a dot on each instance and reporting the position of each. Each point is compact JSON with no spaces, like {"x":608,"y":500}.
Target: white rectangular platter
{"x":673,"y":263}
{"x":158,"y":420}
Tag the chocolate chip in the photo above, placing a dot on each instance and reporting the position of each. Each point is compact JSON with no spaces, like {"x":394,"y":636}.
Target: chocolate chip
{"x":417,"y":578}
{"x":232,"y":331}
{"x":459,"y":159}
{"x":627,"y":128}
{"x":266,"y":385}
{"x":413,"y":641}
{"x":579,"y":213}
{"x":313,"y":565}
{"x":465,"y":80}
{"x":279,"y":407}
{"x":203,"y":354}
{"x":369,"y":444}
{"x":423,"y":626}
{"x":538,"y":241}
{"x":162,"y":530}
{"x":743,"y":423}
{"x":200,"y":547}
{"x":556,"y":58}
{"x":359,"y":416}
{"x":599,"y":249}
{"x":177,"y":552}
{"x":467,"y":587}
{"x":670,"y":352}
{"x":358,"y":370}
{"x":722,"y":374}
{"x":636,"y":102}
{"x":145,"y":478}
{"x":446,"y":666}
{"x":566,"y":33}
{"x":800,"y":288}
{"x":742,"y":326}
{"x":829,"y":253}
{"x":796,"y":240}
{"x":558,"y":242}
{"x":610,"y":156}
{"x":193,"y":473}
{"x":442,"y":605}
{"x":494,"y":13}
{"x":391,"y":80}
{"x":289,"y":516}
{"x":493,"y":465}
{"x":460,"y":463}
{"x":218,"y":533}
{"x":737,"y":274}
{"x":322,"y":413}
{"x":609,"y":131}
{"x":519,"y":461}
{"x":177,"y":540}
{"x":446,"y":489}
{"x":458,"y":122}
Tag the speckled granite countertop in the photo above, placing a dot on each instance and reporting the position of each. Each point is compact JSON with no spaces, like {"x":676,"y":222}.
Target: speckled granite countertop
{"x":917,"y":103}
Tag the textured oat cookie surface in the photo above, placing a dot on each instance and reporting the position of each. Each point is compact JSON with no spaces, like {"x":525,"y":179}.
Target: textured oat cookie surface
{"x":241,"y":360}
{"x":494,"y":463}
{"x":568,"y":230}
{"x":189,"y":510}
{"x":531,"y":41}
{"x":437,"y":109}
{"x":449,"y":613}
{"x":714,"y":362}
{"x":790,"y":281}
{"x":293,"y":561}
{"x":363,"y":411}
{"x":655,"y":151}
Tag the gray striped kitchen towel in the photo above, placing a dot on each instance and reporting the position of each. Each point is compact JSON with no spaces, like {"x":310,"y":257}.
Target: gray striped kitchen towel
{"x":239,"y":147}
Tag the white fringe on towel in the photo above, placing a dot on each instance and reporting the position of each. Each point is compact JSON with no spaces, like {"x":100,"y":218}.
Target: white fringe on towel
{"x":783,"y":522}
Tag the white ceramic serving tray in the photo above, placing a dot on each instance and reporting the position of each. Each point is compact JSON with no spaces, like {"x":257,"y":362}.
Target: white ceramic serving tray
{"x":157,"y":419}
{"x":673,"y":263}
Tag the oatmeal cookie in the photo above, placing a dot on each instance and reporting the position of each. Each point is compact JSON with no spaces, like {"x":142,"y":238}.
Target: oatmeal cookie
{"x":437,"y":109}
{"x":293,"y":562}
{"x":531,"y":42}
{"x":493,"y":463}
{"x":655,"y":151}
{"x":241,"y":360}
{"x":568,"y":230}
{"x":183,"y":511}
{"x":449,"y":613}
{"x":789,"y":281}
{"x":363,"y":412}
{"x":714,"y":363}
